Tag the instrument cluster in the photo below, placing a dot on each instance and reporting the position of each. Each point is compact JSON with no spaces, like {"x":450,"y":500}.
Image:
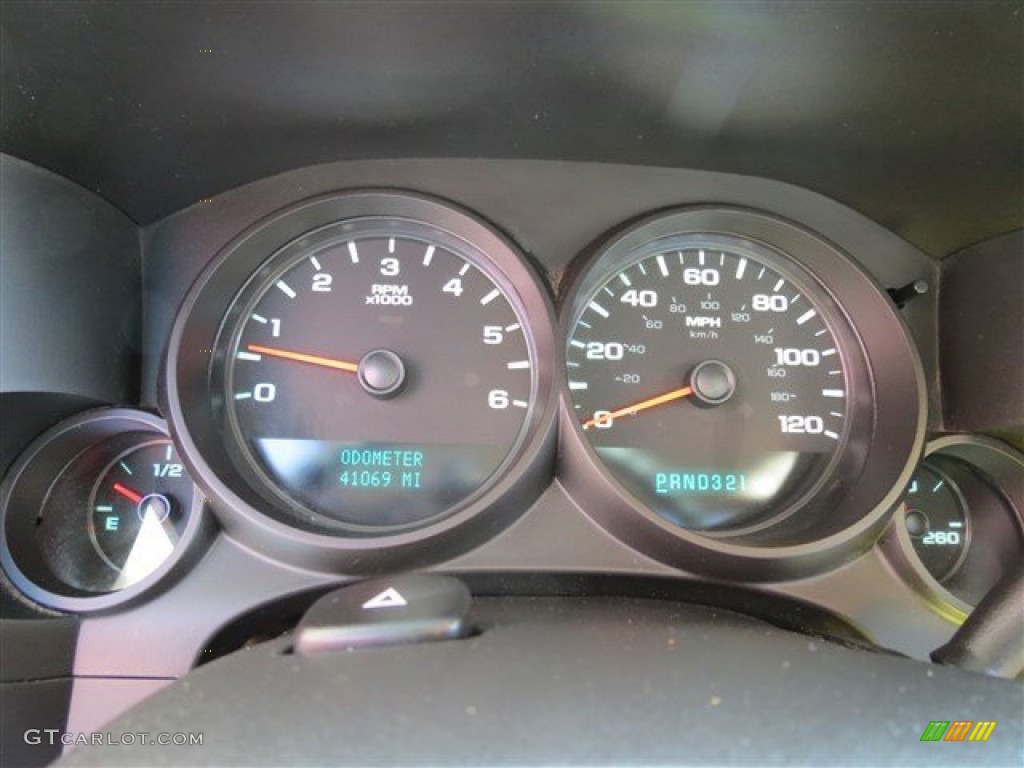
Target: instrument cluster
{"x":375,"y":381}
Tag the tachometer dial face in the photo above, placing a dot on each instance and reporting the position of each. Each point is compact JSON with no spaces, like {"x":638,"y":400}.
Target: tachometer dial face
{"x":706,"y":375}
{"x":376,"y":373}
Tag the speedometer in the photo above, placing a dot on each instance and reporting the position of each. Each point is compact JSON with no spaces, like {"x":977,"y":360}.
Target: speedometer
{"x":739,"y":394}
{"x":708,"y":381}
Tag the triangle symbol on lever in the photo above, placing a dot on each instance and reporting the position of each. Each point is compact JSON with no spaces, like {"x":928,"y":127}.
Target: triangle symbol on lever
{"x":389,"y":598}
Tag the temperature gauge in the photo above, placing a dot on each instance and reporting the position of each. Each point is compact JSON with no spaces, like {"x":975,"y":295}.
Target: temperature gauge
{"x":138,"y":510}
{"x":960,"y":530}
{"x":938,"y":522}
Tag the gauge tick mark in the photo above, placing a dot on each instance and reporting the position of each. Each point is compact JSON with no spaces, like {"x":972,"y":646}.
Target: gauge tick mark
{"x":805,"y":316}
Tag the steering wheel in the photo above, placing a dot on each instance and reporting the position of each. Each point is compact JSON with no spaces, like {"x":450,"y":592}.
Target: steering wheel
{"x":589,"y":680}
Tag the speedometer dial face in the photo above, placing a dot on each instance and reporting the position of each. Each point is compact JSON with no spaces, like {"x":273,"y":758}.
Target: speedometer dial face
{"x":705,"y":374}
{"x":376,"y":374}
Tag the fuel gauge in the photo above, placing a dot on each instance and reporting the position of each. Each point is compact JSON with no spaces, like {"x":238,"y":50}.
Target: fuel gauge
{"x":937,"y":522}
{"x":99,"y":511}
{"x":138,"y":510}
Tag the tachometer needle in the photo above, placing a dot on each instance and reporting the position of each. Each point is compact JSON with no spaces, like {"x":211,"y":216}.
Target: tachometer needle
{"x":643,"y":405}
{"x":301,"y":357}
{"x":133,"y":496}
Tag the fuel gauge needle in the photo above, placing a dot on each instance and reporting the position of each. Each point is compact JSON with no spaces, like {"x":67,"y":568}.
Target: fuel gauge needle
{"x":643,"y":405}
{"x":302,"y":357}
{"x":133,"y":496}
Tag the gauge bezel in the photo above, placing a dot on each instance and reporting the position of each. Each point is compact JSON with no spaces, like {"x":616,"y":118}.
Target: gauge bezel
{"x":832,"y":317}
{"x":882,"y":368}
{"x":189,"y":390}
{"x":279,"y":264}
{"x":26,"y":490}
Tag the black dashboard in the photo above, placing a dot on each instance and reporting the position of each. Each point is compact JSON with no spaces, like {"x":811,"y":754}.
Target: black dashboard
{"x":733,"y":352}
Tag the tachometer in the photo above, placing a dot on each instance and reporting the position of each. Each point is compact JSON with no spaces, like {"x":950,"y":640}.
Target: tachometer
{"x":375,"y":373}
{"x":741,"y":398}
{"x":381,"y":369}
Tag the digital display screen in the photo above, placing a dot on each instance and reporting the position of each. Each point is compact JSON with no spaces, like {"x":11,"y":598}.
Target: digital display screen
{"x":381,"y":468}
{"x":740,"y":490}
{"x":377,"y":484}
{"x":700,"y":482}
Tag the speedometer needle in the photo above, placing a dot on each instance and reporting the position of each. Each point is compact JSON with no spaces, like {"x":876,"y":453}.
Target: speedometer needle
{"x":302,"y":357}
{"x":643,"y":405}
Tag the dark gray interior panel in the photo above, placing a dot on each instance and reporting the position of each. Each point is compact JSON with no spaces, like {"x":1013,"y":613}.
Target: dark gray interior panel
{"x":26,"y":415}
{"x":907,"y":112}
{"x":981,"y":336}
{"x":37,"y":649}
{"x":65,"y":249}
{"x":32,"y":716}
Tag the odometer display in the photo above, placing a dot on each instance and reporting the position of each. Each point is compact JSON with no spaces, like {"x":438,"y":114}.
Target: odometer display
{"x":705,"y":374}
{"x":376,"y":373}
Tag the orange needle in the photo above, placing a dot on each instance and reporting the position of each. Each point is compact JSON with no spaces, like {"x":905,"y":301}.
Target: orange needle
{"x":301,"y":357}
{"x":643,"y":405}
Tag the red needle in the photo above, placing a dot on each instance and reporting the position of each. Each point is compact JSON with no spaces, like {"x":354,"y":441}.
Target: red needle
{"x":302,"y":357}
{"x":128,"y":493}
{"x":643,"y":405}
